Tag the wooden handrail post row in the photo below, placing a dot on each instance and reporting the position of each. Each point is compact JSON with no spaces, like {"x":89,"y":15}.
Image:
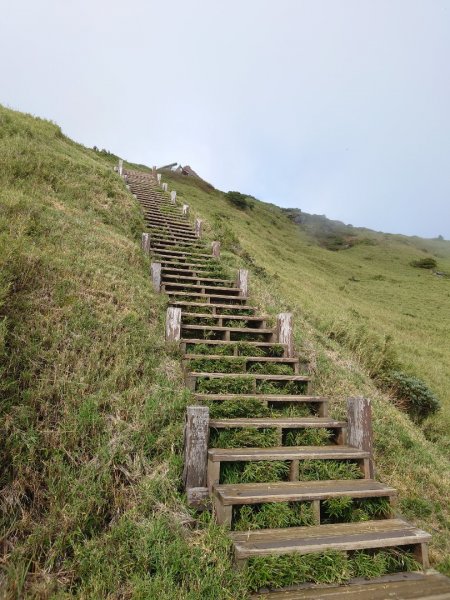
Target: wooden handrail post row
{"x":196,"y":439}
{"x":359,"y":427}
{"x":173,"y":197}
{"x":285,"y":333}
{"x":185,"y":210}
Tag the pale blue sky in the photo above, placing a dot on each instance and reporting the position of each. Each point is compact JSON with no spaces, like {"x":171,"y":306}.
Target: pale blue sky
{"x":332,"y":106}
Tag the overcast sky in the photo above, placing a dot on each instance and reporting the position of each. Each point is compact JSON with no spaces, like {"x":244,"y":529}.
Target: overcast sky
{"x":337,"y":107}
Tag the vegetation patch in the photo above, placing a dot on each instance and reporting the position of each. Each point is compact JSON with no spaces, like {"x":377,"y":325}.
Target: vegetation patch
{"x":243,"y":438}
{"x":272,"y":515}
{"x":308,"y":437}
{"x":350,"y":510}
{"x":225,"y":385}
{"x":313,"y":470}
{"x":424,"y":263}
{"x":254,"y":472}
{"x":413,"y":393}
{"x":240,"y":201}
{"x":210,"y":365}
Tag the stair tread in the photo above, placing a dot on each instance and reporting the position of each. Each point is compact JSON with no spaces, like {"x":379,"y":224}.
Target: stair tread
{"x":286,"y":453}
{"x":316,"y":538}
{"x":234,"y":329}
{"x":401,"y":586}
{"x":283,"y":422}
{"x":214,"y":342}
{"x":268,"y":397}
{"x":267,"y":359}
{"x":262,"y":376}
{"x":286,"y":491}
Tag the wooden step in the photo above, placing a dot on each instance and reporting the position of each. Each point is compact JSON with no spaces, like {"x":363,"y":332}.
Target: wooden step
{"x":398,"y":586}
{"x":207,"y":297}
{"x":385,"y":533}
{"x":227,"y":496}
{"x":281,"y":423}
{"x":227,"y":333}
{"x":214,"y":306}
{"x":260,"y":320}
{"x":204,"y":288}
{"x":191,"y":378}
{"x":269,"y":399}
{"x":292,"y":454}
{"x":247,"y":361}
{"x":209,"y":280}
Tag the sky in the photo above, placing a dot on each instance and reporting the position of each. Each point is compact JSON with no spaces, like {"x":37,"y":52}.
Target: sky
{"x":336,"y":107}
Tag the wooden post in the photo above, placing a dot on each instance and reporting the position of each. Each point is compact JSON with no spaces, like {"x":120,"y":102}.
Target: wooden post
{"x":173,"y":197}
{"x":285,"y":333}
{"x":198,"y":227}
{"x":120,"y":167}
{"x":158,"y":177}
{"x":145,"y":243}
{"x":155,"y":269}
{"x":185,"y":210}
{"x":165,"y":187}
{"x":215,"y":247}
{"x":359,"y":427}
{"x":154,"y":172}
{"x":196,"y":438}
{"x":173,"y":324}
{"x":242,"y":282}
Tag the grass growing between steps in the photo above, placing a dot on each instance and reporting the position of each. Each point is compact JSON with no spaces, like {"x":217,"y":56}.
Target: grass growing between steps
{"x":327,"y":567}
{"x":264,"y":438}
{"x":272,"y":516}
{"x":252,"y":407}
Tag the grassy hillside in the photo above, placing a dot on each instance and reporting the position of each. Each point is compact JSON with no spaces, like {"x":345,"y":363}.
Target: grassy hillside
{"x":92,"y":401}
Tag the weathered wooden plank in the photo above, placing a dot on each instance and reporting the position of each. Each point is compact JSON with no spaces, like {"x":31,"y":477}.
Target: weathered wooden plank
{"x":173,"y":324}
{"x":155,"y":270}
{"x":196,"y":437}
{"x":359,"y":432}
{"x":285,"y":332}
{"x":198,"y":497}
{"x":286,"y":453}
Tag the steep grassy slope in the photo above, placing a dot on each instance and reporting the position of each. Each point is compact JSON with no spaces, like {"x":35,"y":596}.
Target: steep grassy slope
{"x":92,"y":402}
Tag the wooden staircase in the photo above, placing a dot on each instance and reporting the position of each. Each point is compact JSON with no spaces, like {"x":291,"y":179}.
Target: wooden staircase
{"x":235,"y":357}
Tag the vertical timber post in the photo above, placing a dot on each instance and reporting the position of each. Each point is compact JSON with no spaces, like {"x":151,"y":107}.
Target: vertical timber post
{"x":158,"y":177}
{"x":165,"y":187}
{"x":185,"y":210}
{"x":173,"y":324}
{"x":196,"y":437}
{"x":173,"y":197}
{"x":242,"y":282}
{"x":145,"y":243}
{"x":120,"y":167}
{"x":155,"y":270}
{"x":215,"y":249}
{"x":285,"y":333}
{"x":198,"y":227}
{"x":154,"y":172}
{"x":359,"y":433}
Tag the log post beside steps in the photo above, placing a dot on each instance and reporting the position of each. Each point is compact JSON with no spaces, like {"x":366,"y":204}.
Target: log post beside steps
{"x":173,"y":324}
{"x":196,"y":438}
{"x":155,"y":270}
{"x":198,"y":227}
{"x":158,"y":177}
{"x":285,"y":333}
{"x":215,"y":249}
{"x":145,"y":243}
{"x":242,"y":282}
{"x":173,"y":197}
{"x":359,"y":428}
{"x":120,"y":167}
{"x":165,"y":187}
{"x":185,"y":210}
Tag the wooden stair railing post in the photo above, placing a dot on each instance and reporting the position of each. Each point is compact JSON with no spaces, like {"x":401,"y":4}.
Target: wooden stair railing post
{"x":185,"y":210}
{"x":242,"y":282}
{"x":120,"y":167}
{"x":198,"y":227}
{"x":173,"y":197}
{"x":145,"y":243}
{"x":359,"y":428}
{"x":215,"y":249}
{"x":173,"y":324}
{"x":154,"y":172}
{"x":155,"y":269}
{"x":285,"y":333}
{"x":158,"y":177}
{"x":196,"y":438}
{"x":165,"y":187}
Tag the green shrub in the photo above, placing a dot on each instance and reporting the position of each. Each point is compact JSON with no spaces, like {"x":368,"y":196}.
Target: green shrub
{"x":239,"y":200}
{"x":424,"y":263}
{"x":419,"y":400}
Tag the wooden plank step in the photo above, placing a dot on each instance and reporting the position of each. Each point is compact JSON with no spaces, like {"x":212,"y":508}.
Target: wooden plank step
{"x":227,"y":496}
{"x":214,"y":305}
{"x":245,"y":359}
{"x":183,"y":253}
{"x":278,"y":423}
{"x":256,"y":376}
{"x":181,"y":257}
{"x":399,"y":586}
{"x":230,"y":329}
{"x":207,"y":296}
{"x":335,"y":452}
{"x":384,"y":533}
{"x":194,"y":287}
{"x":168,"y":277}
{"x":300,"y":491}
{"x":265,"y":398}
{"x":291,"y":454}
